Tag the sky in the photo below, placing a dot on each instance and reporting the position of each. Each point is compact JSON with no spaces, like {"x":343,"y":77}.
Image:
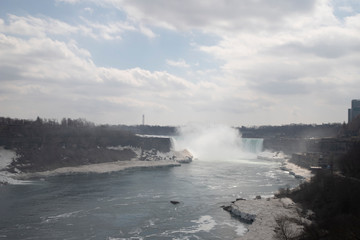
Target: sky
{"x":239,"y":63}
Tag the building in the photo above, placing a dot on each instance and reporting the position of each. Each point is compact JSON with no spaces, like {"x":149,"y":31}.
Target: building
{"x":354,"y":111}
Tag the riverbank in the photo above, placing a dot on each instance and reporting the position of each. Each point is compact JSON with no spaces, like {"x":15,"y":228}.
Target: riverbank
{"x":143,"y":159}
{"x":98,"y":168}
{"x":286,"y":164}
{"x":296,"y":170}
{"x":268,"y":217}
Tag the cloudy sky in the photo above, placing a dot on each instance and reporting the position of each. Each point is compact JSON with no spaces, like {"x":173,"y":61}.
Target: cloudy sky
{"x":248,"y":62}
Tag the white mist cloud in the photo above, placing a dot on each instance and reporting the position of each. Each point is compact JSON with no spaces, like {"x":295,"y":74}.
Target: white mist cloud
{"x":212,"y":142}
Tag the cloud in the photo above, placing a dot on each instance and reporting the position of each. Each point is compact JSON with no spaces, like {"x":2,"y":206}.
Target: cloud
{"x":267,"y":59}
{"x":45,"y":26}
{"x":179,"y":63}
{"x":60,"y":79}
{"x":32,"y":26}
{"x":209,"y":16}
{"x":89,"y":10}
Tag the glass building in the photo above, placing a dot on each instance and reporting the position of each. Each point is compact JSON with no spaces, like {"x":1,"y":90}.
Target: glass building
{"x":354,"y":111}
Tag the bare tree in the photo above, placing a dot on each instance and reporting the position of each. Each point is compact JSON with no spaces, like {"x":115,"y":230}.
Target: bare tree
{"x":288,"y":228}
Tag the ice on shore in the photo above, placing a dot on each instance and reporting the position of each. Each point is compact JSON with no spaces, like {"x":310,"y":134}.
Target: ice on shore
{"x":6,"y":157}
{"x":143,"y":159}
{"x":263,"y":214}
{"x":297,"y":170}
{"x":292,"y":168}
{"x":99,"y":168}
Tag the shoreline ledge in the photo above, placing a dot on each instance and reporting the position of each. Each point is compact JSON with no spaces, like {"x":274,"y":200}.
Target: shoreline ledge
{"x":261,"y":217}
{"x":143,"y":159}
{"x":98,"y":168}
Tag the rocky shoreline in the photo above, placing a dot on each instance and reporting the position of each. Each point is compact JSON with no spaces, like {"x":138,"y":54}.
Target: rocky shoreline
{"x":143,"y":159}
{"x":98,"y":168}
{"x":268,"y":218}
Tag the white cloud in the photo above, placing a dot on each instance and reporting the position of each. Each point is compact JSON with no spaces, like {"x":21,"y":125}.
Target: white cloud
{"x":41,"y":27}
{"x":209,"y":16}
{"x":37,"y":73}
{"x":32,"y":26}
{"x":89,"y":10}
{"x":179,"y":63}
{"x":276,"y":57}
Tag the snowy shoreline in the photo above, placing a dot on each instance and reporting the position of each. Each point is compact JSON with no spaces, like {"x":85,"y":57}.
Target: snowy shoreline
{"x":263,"y":214}
{"x":98,"y":168}
{"x":296,"y":170}
{"x":147,"y":159}
{"x":291,"y":168}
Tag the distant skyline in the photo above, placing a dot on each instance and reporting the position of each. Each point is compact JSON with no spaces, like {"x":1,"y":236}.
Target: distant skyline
{"x":177,"y":62}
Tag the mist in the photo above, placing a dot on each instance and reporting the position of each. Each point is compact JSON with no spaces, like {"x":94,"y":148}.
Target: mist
{"x":213,"y":142}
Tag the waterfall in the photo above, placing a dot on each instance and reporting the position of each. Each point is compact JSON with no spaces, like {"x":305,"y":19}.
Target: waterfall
{"x":173,"y":145}
{"x":252,"y":145}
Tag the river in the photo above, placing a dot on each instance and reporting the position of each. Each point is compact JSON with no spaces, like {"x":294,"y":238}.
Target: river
{"x":135,"y":203}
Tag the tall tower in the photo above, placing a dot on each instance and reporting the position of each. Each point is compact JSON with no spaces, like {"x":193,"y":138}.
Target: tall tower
{"x":143,"y":120}
{"x":354,"y":111}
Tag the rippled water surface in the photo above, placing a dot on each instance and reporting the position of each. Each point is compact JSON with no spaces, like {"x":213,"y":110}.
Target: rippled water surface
{"x":135,"y":204}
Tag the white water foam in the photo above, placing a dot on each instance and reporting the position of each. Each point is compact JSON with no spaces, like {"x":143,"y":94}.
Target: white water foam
{"x":204,"y":223}
{"x":51,"y":219}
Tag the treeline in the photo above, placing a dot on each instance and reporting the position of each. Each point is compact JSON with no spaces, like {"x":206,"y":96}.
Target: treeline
{"x":15,"y":133}
{"x":150,"y":130}
{"x":80,"y":122}
{"x":335,"y":201}
{"x":351,"y":129}
{"x":293,"y":131}
{"x":334,"y":196}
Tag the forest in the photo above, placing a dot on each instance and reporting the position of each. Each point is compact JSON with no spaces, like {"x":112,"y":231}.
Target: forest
{"x":44,"y":144}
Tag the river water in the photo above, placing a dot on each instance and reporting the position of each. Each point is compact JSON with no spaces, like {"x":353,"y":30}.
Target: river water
{"x":135,"y":203}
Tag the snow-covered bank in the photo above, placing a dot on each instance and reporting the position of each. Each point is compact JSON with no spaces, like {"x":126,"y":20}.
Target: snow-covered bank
{"x":6,"y":157}
{"x":296,"y":170}
{"x":144,"y":159}
{"x":263,"y":214}
{"x":287,"y":166}
{"x":266,"y":217}
{"x":99,"y":168}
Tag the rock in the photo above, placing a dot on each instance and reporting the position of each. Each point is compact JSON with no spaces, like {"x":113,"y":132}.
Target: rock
{"x":174,"y":202}
{"x":183,"y":156}
{"x":240,"y":199}
{"x":258,"y":197}
{"x":236,"y":212}
{"x":262,"y":216}
{"x":226,"y":208}
{"x":287,"y":202}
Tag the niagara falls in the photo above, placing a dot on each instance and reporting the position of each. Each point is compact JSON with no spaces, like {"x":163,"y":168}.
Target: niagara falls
{"x":179,"y":120}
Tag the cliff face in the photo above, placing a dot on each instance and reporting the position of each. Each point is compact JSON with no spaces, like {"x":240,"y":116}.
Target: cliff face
{"x":160,"y":144}
{"x":295,"y":145}
{"x":286,"y":145}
